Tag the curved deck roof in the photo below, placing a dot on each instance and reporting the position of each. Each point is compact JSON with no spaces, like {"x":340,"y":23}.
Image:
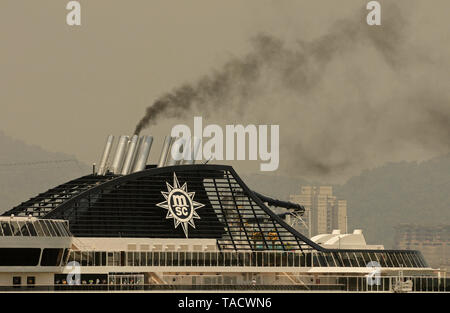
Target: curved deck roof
{"x":133,"y":206}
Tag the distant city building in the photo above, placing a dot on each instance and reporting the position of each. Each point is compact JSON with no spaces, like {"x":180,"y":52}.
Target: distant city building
{"x":323,"y":211}
{"x":432,"y":241}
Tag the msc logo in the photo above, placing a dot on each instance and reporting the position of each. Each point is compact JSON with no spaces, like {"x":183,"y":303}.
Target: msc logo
{"x":180,"y":205}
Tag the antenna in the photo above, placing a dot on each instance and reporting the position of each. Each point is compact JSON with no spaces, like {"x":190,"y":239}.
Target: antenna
{"x":208,"y":160}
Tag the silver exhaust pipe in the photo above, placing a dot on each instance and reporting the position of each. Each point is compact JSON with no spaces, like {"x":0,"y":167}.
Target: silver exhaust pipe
{"x":130,"y":155}
{"x":120,"y":152}
{"x":106,"y":152}
{"x":142,"y":156}
{"x":168,"y":140}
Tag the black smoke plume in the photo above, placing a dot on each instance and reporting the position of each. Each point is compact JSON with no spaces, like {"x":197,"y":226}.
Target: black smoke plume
{"x":350,"y":99}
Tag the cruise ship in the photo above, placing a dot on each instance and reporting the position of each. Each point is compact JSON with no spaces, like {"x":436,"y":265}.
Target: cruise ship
{"x":180,"y":226}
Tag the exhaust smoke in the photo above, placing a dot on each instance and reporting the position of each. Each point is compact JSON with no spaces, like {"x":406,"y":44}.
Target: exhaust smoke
{"x":351,"y":99}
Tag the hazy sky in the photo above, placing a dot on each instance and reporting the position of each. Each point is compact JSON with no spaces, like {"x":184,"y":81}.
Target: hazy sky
{"x":66,"y":88}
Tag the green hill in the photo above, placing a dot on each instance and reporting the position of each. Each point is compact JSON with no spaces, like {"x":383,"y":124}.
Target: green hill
{"x":405,"y":192}
{"x":27,"y":170}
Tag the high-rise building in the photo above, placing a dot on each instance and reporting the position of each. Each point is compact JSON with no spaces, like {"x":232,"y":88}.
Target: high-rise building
{"x":323,"y":211}
{"x":432,"y":241}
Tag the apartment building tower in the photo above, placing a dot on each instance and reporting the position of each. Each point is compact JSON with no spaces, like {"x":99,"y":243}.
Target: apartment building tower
{"x":323,"y":211}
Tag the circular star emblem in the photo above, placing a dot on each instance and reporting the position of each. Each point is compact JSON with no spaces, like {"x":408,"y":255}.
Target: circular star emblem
{"x":180,"y":205}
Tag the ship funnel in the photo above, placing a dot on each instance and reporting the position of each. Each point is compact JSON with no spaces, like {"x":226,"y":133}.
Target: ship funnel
{"x":176,"y":152}
{"x":192,"y":150}
{"x":120,"y":152}
{"x":142,"y":156}
{"x":106,"y":152}
{"x":132,"y":147}
{"x":165,"y":150}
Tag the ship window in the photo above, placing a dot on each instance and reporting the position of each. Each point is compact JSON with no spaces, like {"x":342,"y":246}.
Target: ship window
{"x":407,"y":259}
{"x":414,"y":260}
{"x":6,"y":228}
{"x":31,"y":280}
{"x":373,"y":257}
{"x":71,"y":257}
{"x":77,"y":256}
{"x":194,"y":259}
{"x":227,"y":258}
{"x":60,"y":229}
{"x":389,"y":262}
{"x":329,"y":258}
{"x":110,"y":259}
{"x":290,"y":259}
{"x":337,"y":259}
{"x":84,"y":258}
{"x":234,"y":259}
{"x":381,"y":259}
{"x":240,"y":258}
{"x":19,"y":256}
{"x":322,"y":260}
{"x":149,"y":258}
{"x":221,"y":258}
{"x":208,"y":258}
{"x":315,"y":260}
{"x":420,"y":259}
{"x":90,"y":259}
{"x":55,"y":229}
{"x":130,"y":258}
{"x":277,"y":259}
{"x":366,"y":257}
{"x":103,"y":258}
{"x":51,"y":257}
{"x":97,"y":259}
{"x":143,"y":258}
{"x":245,"y":258}
{"x":308,"y":259}
{"x":169,"y":261}
{"x":117,"y":258}
{"x":50,"y":228}
{"x":17,"y":280}
{"x":302,"y":260}
{"x":156,"y":259}
{"x":162,"y":259}
{"x":15,"y":228}
{"x":23,"y":228}
{"x":353,"y":260}
{"x":66,"y":254}
{"x":31,"y":229}
{"x":44,"y":228}
{"x":395,"y":261}
{"x":296,"y":259}
{"x":346,"y":259}
{"x":182,"y":258}
{"x":283,"y":256}
{"x":360,"y":259}
{"x":65,"y":225}
{"x":271,"y":259}
{"x":176,"y":258}
{"x":400,"y":259}
{"x":66,"y":229}
{"x":265,"y":255}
